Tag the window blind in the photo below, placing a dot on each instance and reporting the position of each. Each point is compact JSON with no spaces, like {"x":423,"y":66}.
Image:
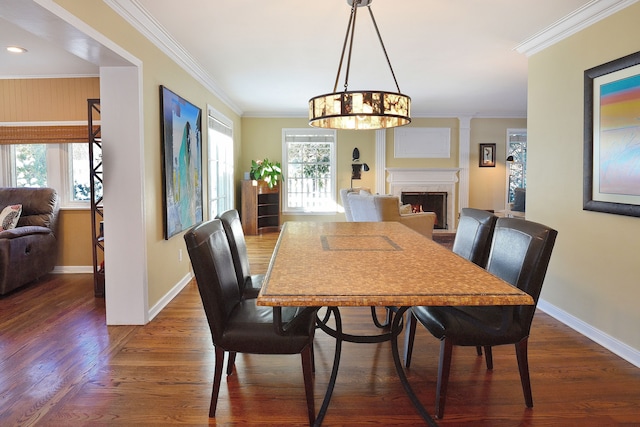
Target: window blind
{"x":43,"y":134}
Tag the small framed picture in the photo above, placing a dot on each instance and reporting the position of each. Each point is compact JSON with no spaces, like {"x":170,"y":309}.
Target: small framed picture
{"x":487,"y":155}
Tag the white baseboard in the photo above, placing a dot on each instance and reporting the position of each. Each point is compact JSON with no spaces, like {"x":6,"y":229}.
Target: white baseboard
{"x":72,"y":269}
{"x":617,"y":347}
{"x":153,"y":312}
{"x":164,"y":301}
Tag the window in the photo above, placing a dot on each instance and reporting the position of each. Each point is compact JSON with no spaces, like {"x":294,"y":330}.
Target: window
{"x":79,"y":170}
{"x":516,"y":169}
{"x":28,"y":165}
{"x":309,"y":171}
{"x":64,"y":167}
{"x":220,"y":162}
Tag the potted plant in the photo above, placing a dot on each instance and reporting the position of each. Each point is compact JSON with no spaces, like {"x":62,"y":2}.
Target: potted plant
{"x":267,"y":171}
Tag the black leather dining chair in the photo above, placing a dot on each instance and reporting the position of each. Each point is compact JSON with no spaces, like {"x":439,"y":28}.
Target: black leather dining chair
{"x":472,"y":241}
{"x":250,"y":284}
{"x":237,"y":324}
{"x":474,"y":234}
{"x":520,"y":254}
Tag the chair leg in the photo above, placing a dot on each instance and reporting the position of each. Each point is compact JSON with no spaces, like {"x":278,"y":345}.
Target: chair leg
{"x":479,"y":350}
{"x":444,"y":367}
{"x":409,"y":336}
{"x":523,"y":367}
{"x":307,"y":373}
{"x":231,"y":361}
{"x":488,"y":355}
{"x":217,"y":379}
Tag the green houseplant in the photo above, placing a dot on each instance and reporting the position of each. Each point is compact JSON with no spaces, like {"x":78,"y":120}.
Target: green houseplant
{"x":267,"y":171}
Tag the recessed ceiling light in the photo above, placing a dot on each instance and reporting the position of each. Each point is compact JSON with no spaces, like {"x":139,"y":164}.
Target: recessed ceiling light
{"x":16,"y":49}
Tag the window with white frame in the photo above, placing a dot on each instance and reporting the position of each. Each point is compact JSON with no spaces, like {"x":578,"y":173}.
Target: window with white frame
{"x":62,"y":166}
{"x":516,"y":162}
{"x":309,"y":170}
{"x":220,"y":162}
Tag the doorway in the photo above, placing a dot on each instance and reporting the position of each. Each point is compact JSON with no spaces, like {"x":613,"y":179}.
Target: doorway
{"x":123,"y":152}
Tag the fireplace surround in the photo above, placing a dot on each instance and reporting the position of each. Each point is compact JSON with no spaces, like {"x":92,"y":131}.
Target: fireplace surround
{"x":428,"y":201}
{"x":427,"y":180}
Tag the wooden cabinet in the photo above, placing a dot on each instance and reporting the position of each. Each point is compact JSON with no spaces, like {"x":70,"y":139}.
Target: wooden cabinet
{"x":260,"y":207}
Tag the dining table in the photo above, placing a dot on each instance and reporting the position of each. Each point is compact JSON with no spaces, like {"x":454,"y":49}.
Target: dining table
{"x":373,"y":264}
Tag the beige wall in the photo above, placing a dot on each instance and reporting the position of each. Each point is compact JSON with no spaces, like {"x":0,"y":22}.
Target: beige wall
{"x":74,"y":237}
{"x":451,"y":162}
{"x":262,"y":137}
{"x":50,"y":100}
{"x":164,"y":270}
{"x":488,"y":186}
{"x":594,"y":269}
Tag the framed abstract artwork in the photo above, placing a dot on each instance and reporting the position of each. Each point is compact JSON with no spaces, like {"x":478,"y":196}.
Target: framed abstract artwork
{"x":611,"y":177}
{"x":487,"y":155}
{"x":181,"y":126}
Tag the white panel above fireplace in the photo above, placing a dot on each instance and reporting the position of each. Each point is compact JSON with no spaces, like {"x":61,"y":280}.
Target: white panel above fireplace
{"x":422,"y":143}
{"x":426,"y":180}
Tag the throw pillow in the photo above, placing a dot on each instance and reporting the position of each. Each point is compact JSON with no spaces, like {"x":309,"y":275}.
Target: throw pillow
{"x":406,"y":209}
{"x":9,"y":217}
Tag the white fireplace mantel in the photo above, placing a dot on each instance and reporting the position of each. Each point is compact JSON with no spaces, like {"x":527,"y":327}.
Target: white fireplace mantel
{"x":426,"y":179}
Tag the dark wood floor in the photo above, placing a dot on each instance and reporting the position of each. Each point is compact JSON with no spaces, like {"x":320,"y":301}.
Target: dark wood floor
{"x":61,"y":366}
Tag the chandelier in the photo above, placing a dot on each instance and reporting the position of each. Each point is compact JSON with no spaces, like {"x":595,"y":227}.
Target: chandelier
{"x":359,"y":110}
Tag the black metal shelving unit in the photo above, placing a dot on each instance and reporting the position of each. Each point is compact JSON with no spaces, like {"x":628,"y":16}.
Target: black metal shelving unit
{"x":96,"y":179}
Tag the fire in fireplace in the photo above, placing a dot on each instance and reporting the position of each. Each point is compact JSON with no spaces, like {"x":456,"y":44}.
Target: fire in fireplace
{"x":429,"y":201}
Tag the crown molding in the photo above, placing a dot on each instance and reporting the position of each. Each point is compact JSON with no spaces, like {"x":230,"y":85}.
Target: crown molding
{"x":578,"y":20}
{"x":132,"y":12}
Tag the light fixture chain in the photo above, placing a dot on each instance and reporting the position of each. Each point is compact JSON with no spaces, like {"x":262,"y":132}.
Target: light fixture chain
{"x":359,"y":110}
{"x":375,"y":25}
{"x":344,"y":46}
{"x":353,"y":32}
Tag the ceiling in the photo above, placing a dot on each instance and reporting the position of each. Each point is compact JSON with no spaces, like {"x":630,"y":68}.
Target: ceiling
{"x":267,"y":58}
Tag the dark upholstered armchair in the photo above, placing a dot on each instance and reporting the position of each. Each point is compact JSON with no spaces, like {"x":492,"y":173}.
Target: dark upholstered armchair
{"x":249,"y":284}
{"x":520,"y":254}
{"x":30,"y":250}
{"x":239,"y":325}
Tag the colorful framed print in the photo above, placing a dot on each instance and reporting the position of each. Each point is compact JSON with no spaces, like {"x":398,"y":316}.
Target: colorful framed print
{"x":611,"y":178}
{"x":181,"y":123}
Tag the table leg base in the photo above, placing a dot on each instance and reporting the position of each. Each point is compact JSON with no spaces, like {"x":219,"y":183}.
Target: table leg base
{"x":396,"y":329}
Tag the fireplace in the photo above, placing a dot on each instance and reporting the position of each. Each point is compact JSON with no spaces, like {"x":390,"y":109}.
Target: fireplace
{"x":432,"y":181}
{"x":428,"y":201}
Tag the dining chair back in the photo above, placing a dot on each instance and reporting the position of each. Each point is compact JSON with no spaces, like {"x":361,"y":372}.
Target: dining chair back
{"x":520,"y":254}
{"x":239,"y":325}
{"x":249,"y":284}
{"x":474,"y":234}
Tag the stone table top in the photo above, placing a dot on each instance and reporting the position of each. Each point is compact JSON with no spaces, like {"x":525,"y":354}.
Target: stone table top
{"x":374,"y":264}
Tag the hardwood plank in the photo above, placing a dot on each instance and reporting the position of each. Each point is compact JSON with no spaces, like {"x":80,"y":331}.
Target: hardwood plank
{"x":60,"y":365}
